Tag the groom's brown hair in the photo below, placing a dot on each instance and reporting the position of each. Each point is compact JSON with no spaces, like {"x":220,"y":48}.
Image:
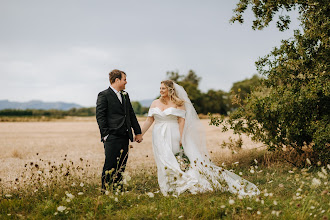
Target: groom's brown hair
{"x":114,"y":74}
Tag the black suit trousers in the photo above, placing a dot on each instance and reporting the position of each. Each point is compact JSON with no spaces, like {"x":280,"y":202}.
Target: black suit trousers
{"x":116,"y":154}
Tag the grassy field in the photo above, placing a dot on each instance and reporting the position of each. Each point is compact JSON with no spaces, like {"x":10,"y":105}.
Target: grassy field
{"x":52,"y":171}
{"x":47,"y":191}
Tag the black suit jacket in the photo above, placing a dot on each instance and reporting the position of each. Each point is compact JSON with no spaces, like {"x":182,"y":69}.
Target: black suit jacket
{"x":111,"y":114}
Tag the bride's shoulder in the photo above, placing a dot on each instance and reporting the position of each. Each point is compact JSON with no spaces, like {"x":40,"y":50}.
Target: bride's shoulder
{"x":155,"y":103}
{"x":181,"y":107}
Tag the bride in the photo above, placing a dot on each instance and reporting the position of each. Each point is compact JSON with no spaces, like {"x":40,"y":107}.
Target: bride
{"x":177,"y":124}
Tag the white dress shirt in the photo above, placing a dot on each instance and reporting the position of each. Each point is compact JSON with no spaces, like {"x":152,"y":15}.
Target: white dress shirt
{"x":117,"y":93}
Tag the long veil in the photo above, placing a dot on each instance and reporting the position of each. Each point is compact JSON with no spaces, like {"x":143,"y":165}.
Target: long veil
{"x":193,"y":138}
{"x":194,"y":145}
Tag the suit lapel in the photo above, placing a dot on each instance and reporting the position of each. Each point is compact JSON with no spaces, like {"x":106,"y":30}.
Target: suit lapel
{"x":116,"y":98}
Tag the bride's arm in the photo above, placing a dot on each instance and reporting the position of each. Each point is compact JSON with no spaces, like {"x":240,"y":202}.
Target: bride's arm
{"x":181,"y":122}
{"x":150,"y":119}
{"x":181,"y":126}
{"x":146,"y":125}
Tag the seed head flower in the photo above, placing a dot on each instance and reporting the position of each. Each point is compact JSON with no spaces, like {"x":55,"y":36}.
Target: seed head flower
{"x":150,"y":194}
{"x":61,"y":208}
{"x":321,"y":175}
{"x":316,"y":183}
{"x":69,"y":195}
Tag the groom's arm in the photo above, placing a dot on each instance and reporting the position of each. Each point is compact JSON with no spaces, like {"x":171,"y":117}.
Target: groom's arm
{"x":101,"y":114}
{"x":134,"y":122}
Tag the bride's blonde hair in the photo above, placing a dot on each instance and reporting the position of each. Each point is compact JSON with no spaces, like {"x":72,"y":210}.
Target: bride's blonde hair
{"x":171,"y":93}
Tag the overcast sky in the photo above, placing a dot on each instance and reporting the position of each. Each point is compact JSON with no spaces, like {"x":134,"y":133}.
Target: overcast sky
{"x":63,"y":50}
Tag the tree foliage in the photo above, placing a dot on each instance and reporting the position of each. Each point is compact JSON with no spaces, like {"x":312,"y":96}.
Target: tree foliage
{"x":240,"y":90}
{"x":292,"y":108}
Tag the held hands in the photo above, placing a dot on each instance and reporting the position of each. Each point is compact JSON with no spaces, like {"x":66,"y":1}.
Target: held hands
{"x":138,"y":138}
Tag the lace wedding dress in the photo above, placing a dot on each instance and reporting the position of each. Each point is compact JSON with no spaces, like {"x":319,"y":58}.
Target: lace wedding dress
{"x":202,"y":175}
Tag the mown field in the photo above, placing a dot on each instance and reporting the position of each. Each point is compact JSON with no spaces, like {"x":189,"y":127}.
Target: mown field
{"x":51,"y":170}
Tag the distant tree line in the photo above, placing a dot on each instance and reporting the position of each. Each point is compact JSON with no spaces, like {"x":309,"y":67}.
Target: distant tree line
{"x":55,"y":113}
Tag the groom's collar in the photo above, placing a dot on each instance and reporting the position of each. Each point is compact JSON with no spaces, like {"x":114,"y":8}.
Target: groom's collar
{"x":114,"y":89}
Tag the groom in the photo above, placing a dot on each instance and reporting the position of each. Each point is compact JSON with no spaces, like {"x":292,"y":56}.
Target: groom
{"x":116,"y":118}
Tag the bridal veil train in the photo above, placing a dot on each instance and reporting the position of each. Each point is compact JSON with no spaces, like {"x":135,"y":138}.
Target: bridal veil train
{"x":202,"y":175}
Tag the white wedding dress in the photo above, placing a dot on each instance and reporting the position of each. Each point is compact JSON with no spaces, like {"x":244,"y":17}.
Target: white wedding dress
{"x":202,"y":175}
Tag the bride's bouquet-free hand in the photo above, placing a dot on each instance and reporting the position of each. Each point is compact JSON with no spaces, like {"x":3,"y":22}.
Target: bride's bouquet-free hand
{"x":182,"y":159}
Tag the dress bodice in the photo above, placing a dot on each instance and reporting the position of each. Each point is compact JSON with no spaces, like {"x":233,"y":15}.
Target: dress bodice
{"x":170,"y":114}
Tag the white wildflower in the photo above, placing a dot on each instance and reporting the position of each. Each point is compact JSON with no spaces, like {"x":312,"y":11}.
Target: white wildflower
{"x":81,"y":184}
{"x":275,"y":202}
{"x":240,"y":197}
{"x":80,"y":193}
{"x":181,"y":216}
{"x":291,"y":171}
{"x":316,"y":182}
{"x":222,"y":206}
{"x":248,"y":208}
{"x":251,"y":171}
{"x":321,"y":175}
{"x":308,"y":161}
{"x":262,"y":202}
{"x":69,"y":195}
{"x":240,"y":173}
{"x":255,"y":160}
{"x":324,"y":171}
{"x":8,"y":195}
{"x":150,"y":194}
{"x":39,"y":172}
{"x":231,"y":202}
{"x":107,"y":192}
{"x":328,"y":165}
{"x":55,"y":213}
{"x":258,"y":212}
{"x":312,"y":207}
{"x":61,"y":208}
{"x":319,"y":163}
{"x":116,"y":199}
{"x":271,"y":194}
{"x":73,"y":184}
